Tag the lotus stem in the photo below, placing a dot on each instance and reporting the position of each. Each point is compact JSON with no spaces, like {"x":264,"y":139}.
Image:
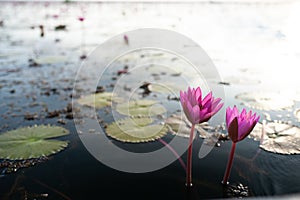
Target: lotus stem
{"x":229,"y":164}
{"x":189,"y":158}
{"x":174,"y":152}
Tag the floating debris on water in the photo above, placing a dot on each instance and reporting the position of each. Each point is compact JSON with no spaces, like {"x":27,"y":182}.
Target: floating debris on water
{"x":60,"y":28}
{"x":236,"y":191}
{"x":29,"y":116}
{"x":12,"y":166}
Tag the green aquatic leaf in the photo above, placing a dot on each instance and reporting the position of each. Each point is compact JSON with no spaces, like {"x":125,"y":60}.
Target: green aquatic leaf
{"x":135,"y":130}
{"x":169,"y":88}
{"x":140,"y":108}
{"x":98,"y":100}
{"x":31,"y":142}
{"x":179,"y":125}
{"x":50,"y":60}
{"x":277,"y":137}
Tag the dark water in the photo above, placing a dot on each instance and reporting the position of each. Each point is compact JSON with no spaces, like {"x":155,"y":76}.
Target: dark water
{"x":74,"y":173}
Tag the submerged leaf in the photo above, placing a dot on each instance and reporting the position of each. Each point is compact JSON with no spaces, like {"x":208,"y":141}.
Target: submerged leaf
{"x":278,"y":137}
{"x":141,"y":108}
{"x":31,"y":142}
{"x":265,"y":101}
{"x":98,"y":100}
{"x":135,"y":130}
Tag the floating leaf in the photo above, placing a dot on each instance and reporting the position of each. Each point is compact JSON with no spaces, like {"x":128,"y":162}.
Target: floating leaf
{"x":182,"y":127}
{"x":171,"y":88}
{"x":278,"y":137}
{"x":98,"y":100}
{"x":178,"y":126}
{"x":135,"y":130}
{"x":10,"y":53}
{"x":50,"y":60}
{"x":140,"y":108}
{"x":159,"y":69}
{"x":266,"y":101}
{"x":31,"y":142}
{"x":240,"y":80}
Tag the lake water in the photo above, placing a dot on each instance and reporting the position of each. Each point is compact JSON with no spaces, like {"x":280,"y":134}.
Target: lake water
{"x":254,"y":47}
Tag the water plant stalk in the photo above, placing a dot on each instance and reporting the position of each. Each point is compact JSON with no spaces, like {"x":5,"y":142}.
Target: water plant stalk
{"x":229,"y":164}
{"x":189,"y":158}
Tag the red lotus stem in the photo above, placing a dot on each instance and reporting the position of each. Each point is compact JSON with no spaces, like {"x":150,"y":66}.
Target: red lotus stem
{"x":174,"y":152}
{"x":189,"y":158}
{"x":229,"y":164}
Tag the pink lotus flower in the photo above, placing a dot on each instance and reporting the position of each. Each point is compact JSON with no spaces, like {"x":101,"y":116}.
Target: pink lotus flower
{"x":239,"y":126}
{"x":197,"y":110}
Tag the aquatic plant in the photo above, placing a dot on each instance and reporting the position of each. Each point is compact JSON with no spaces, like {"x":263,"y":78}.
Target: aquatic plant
{"x":239,"y":126}
{"x":277,"y":137}
{"x":140,"y":108}
{"x":136,"y":130}
{"x":197,"y":110}
{"x":83,"y":46}
{"x":32,"y":142}
{"x":98,"y":100}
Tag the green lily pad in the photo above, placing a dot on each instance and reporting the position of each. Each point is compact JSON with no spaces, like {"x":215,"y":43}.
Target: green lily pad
{"x":98,"y":100}
{"x":140,"y":108}
{"x":10,"y":53}
{"x":277,"y":137}
{"x":178,"y":126}
{"x":50,"y":60}
{"x":32,"y":142}
{"x":166,"y":88}
{"x":135,"y":130}
{"x":235,"y":80}
{"x":182,"y":127}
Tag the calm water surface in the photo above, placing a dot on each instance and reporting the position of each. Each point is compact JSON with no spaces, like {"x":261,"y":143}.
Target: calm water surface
{"x":74,"y":173}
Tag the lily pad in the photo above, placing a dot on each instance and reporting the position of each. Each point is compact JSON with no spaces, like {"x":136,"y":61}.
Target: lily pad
{"x":240,"y":80}
{"x":178,"y":126}
{"x":32,"y":142}
{"x":159,"y":69}
{"x":166,"y":88}
{"x":265,"y":100}
{"x":141,"y":108}
{"x":98,"y":100}
{"x":50,"y":60}
{"x":135,"y":130}
{"x":182,"y":127}
{"x":278,"y":137}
